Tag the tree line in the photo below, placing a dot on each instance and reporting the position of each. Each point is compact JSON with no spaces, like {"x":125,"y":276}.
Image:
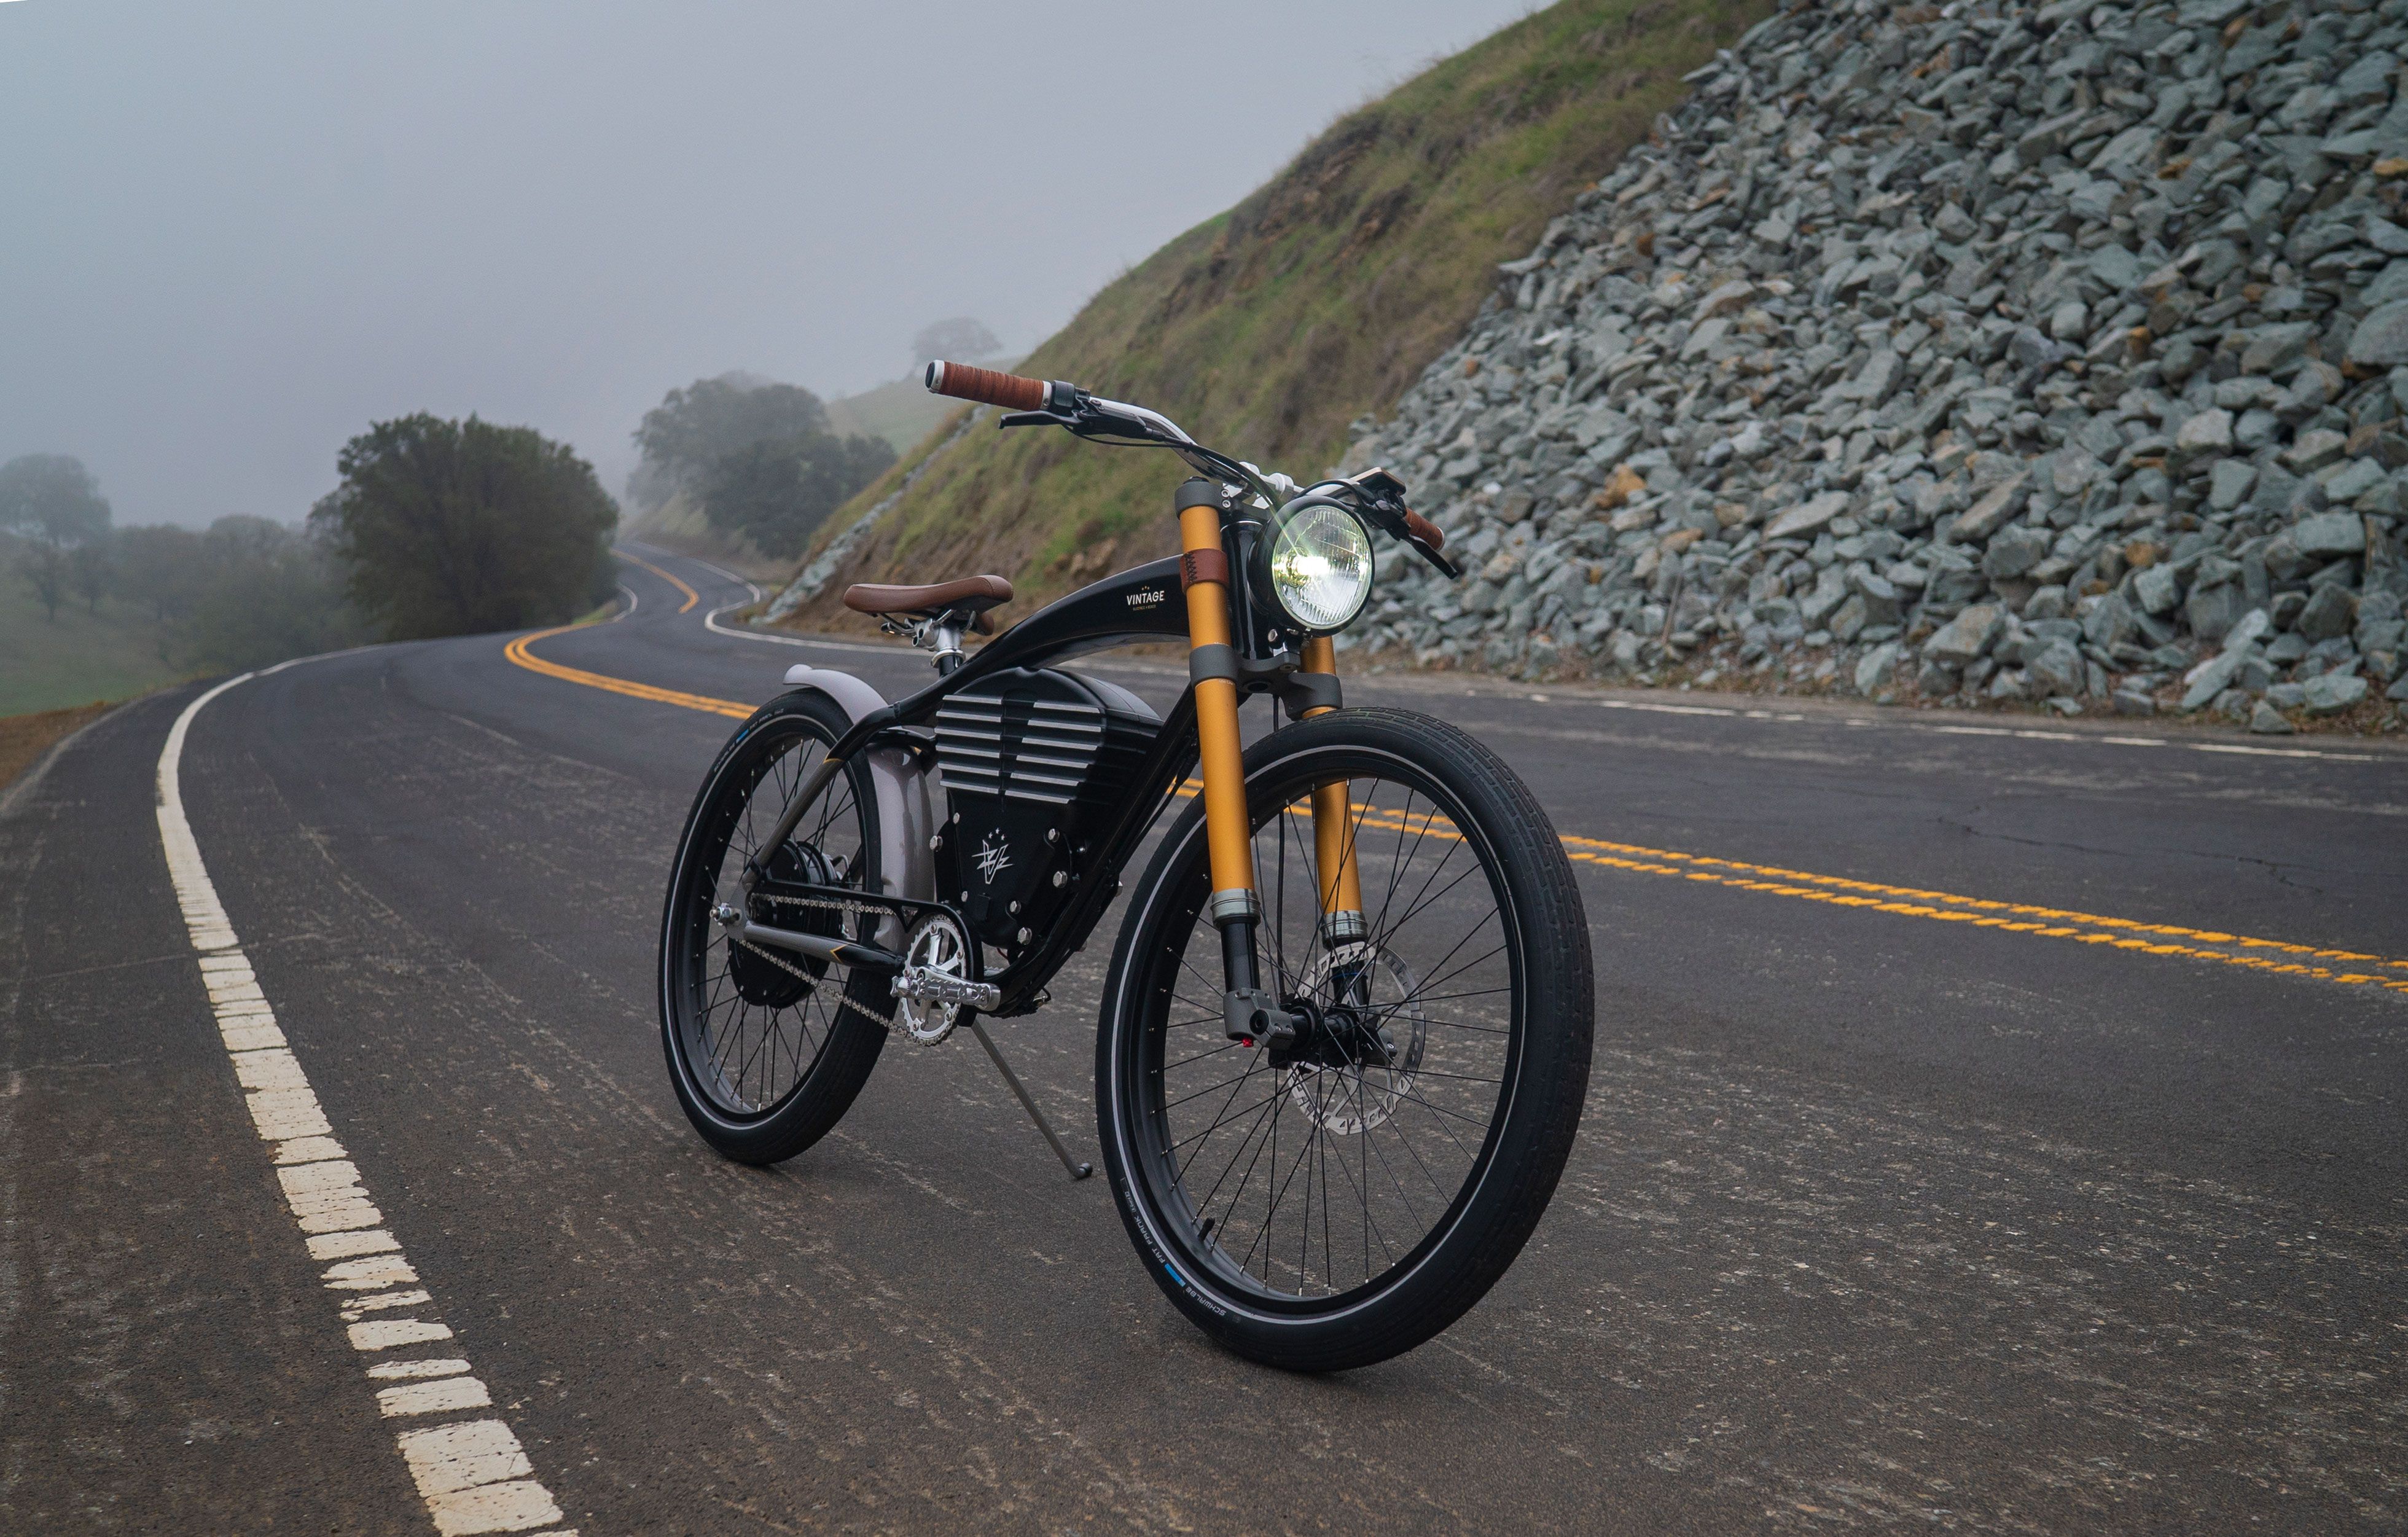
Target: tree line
{"x":757,"y":457}
{"x":435,"y":527}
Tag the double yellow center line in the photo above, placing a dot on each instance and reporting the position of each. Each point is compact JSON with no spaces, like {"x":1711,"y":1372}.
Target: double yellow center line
{"x":2349,"y":968}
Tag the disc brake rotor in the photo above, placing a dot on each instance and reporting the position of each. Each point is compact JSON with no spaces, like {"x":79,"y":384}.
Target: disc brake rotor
{"x":1369,"y":985}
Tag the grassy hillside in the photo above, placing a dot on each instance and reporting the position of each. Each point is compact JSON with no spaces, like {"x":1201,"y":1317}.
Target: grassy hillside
{"x":679,"y":524}
{"x":84,"y":658}
{"x":1265,"y":330}
{"x":901,"y":412}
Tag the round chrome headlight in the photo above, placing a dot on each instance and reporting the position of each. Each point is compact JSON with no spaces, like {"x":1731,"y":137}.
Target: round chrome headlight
{"x":1316,"y":565}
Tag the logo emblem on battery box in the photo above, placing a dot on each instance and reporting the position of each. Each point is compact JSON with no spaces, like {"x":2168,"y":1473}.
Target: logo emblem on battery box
{"x":993,"y":856}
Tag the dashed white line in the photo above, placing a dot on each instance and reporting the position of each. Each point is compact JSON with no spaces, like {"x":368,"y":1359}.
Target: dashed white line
{"x":471,"y":1473}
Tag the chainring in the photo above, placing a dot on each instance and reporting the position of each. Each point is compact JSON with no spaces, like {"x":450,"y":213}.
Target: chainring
{"x":939,"y":944}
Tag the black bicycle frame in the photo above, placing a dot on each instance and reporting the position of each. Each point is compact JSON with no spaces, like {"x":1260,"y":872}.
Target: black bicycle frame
{"x":1138,"y":606}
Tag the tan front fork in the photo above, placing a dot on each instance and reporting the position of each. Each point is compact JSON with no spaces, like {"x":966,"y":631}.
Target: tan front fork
{"x":1249,"y":1015}
{"x":1220,"y":754}
{"x":1333,"y":829}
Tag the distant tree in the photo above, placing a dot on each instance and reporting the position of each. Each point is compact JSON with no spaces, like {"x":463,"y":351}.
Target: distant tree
{"x":160,"y":567}
{"x":52,"y":502}
{"x":455,"y":527}
{"x":265,"y":592}
{"x":52,"y":497}
{"x":684,"y":437}
{"x":776,"y":493}
{"x":91,"y":570}
{"x":960,"y":339}
{"x":44,"y":566}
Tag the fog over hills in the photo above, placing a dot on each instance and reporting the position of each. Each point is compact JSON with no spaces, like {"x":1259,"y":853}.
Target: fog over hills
{"x":238,"y":234}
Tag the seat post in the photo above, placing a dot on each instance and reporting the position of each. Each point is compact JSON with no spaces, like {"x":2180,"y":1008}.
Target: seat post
{"x":945,"y":640}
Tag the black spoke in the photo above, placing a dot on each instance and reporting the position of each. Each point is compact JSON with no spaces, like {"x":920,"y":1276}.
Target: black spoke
{"x":1342,"y":1150}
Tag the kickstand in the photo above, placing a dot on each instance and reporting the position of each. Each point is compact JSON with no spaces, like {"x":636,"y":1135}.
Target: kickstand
{"x":1078,"y":1171}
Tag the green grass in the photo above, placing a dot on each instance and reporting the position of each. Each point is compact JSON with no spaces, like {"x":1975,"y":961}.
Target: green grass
{"x":82,"y":658}
{"x":901,"y":412}
{"x":1268,"y":329}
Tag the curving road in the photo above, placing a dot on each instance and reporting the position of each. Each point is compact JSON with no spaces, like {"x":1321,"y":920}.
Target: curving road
{"x":1993,"y":1129}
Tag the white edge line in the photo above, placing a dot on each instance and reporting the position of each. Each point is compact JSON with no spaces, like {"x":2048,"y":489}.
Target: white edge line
{"x":711,"y":622}
{"x":472,"y":1475}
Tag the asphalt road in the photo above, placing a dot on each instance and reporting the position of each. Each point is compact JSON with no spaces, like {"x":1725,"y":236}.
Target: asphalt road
{"x":2069,"y":1212}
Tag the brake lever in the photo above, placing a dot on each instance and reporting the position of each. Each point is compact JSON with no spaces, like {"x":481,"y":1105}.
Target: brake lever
{"x":1391,"y":518}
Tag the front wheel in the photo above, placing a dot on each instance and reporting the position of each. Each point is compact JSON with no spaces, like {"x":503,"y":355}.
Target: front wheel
{"x":1343,"y":1198}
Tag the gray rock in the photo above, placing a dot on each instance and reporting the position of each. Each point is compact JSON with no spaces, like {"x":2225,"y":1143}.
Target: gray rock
{"x":2015,"y":551}
{"x":2273,"y":346}
{"x":2208,"y":432}
{"x":2332,"y":693}
{"x":2230,"y":483}
{"x":1964,"y":638}
{"x":2330,"y":613}
{"x":1877,"y":667}
{"x":2380,"y":339}
{"x":2109,"y":623}
{"x":2211,"y":611}
{"x":2265,"y":719}
{"x":2210,"y":678}
{"x":1808,"y":516}
{"x":2058,"y":669}
{"x":2351,"y":479}
{"x":2132,"y":702}
{"x":2248,"y":630}
{"x":2325,"y":536}
{"x":2156,"y":588}
{"x":1995,"y":507}
{"x":2315,"y":449}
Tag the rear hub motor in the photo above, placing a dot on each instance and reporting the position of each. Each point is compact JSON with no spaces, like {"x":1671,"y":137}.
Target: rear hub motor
{"x":779,"y":979}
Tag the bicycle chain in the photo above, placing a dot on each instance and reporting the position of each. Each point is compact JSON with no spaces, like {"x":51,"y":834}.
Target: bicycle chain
{"x":844,"y":996}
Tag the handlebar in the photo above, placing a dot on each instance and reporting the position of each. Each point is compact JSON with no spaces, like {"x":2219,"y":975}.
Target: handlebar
{"x":1377,"y":493}
{"x":987,"y":386}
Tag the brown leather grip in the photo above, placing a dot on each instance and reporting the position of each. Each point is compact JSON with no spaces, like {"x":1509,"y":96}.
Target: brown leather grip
{"x":986,"y":385}
{"x":1425,"y":530}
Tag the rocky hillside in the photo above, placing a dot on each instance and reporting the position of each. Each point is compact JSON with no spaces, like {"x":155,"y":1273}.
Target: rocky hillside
{"x":1987,"y":354}
{"x":1268,"y":329}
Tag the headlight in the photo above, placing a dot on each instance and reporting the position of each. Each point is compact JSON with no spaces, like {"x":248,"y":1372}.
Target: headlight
{"x":1316,"y":565}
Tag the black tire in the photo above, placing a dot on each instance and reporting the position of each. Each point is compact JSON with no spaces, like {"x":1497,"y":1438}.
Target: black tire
{"x":1418,"y":786}
{"x":767,"y":1051}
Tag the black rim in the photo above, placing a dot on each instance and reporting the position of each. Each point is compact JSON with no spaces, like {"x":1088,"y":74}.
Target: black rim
{"x":1306,"y":1182}
{"x":751,"y":1023}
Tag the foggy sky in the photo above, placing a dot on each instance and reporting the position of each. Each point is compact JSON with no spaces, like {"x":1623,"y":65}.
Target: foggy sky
{"x":231,"y":235}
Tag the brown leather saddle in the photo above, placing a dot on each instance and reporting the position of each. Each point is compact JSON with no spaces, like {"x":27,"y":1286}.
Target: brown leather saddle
{"x":970,"y":596}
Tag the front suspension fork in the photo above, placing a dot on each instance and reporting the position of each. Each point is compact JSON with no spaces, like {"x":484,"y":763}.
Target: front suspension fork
{"x":1249,"y":1012}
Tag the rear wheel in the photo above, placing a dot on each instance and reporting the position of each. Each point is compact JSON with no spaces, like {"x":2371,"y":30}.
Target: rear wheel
{"x":767,"y":1047}
{"x":1340,"y":1198}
